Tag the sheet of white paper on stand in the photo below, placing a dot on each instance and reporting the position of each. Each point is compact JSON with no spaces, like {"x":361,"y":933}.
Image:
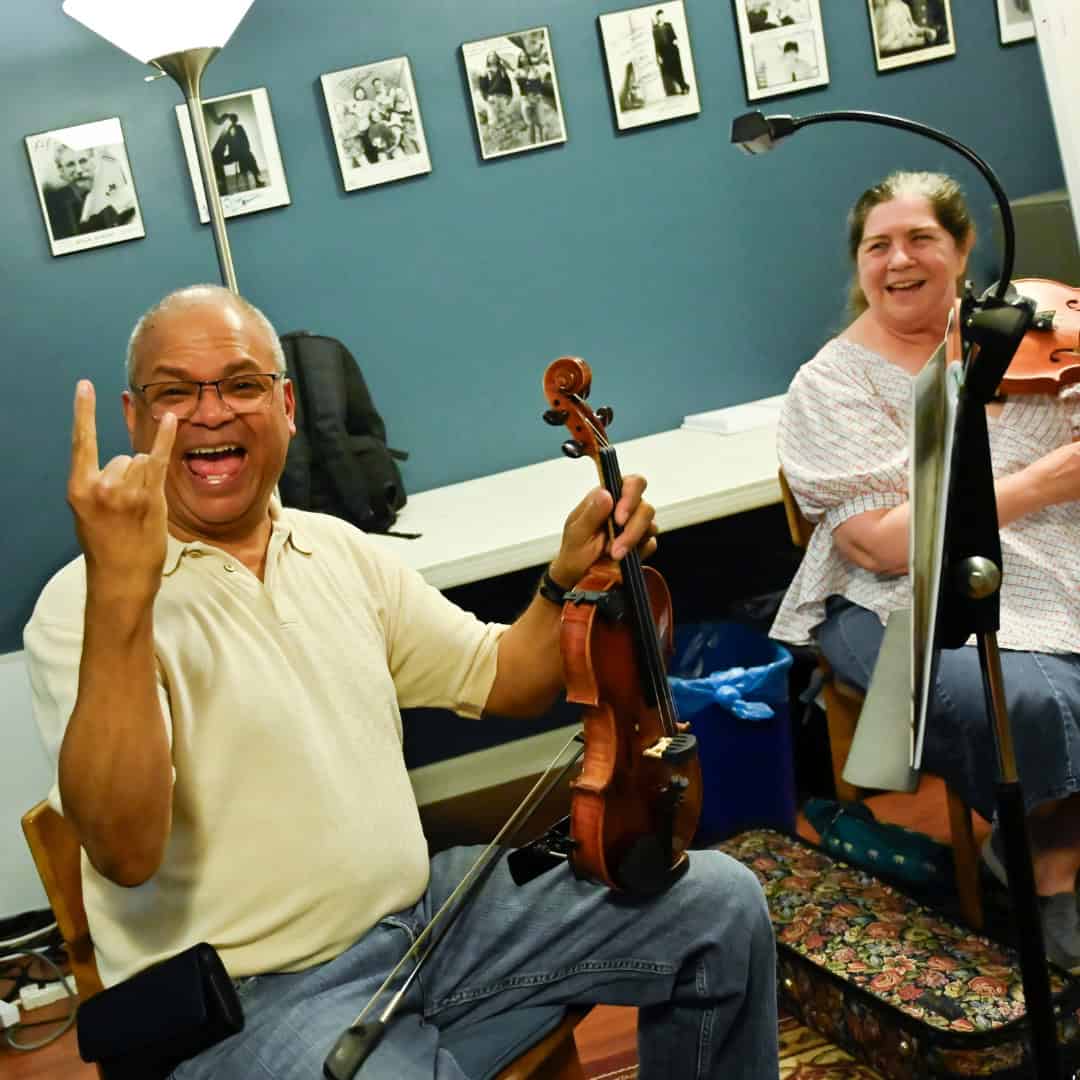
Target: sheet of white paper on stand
{"x":734,"y":418}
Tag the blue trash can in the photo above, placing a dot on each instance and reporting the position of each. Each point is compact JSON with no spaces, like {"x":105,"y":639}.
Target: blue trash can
{"x":730,"y":683}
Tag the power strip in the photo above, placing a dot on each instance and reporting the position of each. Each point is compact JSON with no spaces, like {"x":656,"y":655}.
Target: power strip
{"x":34,"y":997}
{"x":9,"y":1014}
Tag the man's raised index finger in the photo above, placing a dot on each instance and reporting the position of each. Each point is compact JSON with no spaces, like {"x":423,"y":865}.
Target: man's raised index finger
{"x":84,"y":447}
{"x":161,"y":451}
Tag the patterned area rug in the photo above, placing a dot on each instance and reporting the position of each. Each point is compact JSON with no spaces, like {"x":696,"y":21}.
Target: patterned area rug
{"x":804,"y":1055}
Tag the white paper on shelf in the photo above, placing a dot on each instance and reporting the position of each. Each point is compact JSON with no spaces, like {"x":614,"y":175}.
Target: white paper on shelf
{"x":735,"y":418}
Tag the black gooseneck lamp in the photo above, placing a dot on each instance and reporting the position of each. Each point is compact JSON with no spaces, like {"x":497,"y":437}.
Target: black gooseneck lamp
{"x":968,"y":589}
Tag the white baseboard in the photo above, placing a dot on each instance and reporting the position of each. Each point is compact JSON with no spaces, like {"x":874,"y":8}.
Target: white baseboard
{"x":488,"y":768}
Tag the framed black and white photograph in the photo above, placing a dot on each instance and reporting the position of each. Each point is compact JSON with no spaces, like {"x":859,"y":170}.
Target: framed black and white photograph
{"x":244,"y":151}
{"x":783,"y":46}
{"x":1015,"y":21}
{"x":515,"y":92}
{"x":375,"y":120}
{"x":649,"y":64}
{"x":908,"y":32}
{"x":84,"y":186}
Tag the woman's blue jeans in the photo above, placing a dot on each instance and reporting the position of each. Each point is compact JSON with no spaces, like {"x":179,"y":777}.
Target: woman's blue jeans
{"x":1042,"y":696}
{"x":699,"y":962}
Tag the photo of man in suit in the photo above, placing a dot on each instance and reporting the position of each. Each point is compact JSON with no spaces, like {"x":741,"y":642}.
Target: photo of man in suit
{"x":667,"y":55}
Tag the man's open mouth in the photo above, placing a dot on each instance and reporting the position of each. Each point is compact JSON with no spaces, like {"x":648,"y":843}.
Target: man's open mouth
{"x":215,"y":464}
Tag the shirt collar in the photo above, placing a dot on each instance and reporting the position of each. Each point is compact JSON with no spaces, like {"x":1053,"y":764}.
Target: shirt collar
{"x":284,"y":525}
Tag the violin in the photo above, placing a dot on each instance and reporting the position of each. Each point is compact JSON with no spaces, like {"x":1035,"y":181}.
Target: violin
{"x":636,"y":802}
{"x":1048,"y":357}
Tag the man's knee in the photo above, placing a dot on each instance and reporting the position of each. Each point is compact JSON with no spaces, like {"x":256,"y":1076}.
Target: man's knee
{"x":729,"y":890}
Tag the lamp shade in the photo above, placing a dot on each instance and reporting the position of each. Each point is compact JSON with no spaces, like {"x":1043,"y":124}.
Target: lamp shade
{"x":147,"y":29}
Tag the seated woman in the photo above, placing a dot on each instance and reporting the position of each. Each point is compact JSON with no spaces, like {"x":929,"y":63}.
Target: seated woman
{"x":843,"y":444}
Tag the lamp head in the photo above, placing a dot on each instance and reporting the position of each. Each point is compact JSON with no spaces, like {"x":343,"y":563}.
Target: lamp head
{"x":148,"y":29}
{"x":756,"y":133}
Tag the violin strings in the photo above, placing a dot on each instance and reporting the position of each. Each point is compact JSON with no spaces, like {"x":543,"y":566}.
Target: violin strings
{"x":645,"y":630}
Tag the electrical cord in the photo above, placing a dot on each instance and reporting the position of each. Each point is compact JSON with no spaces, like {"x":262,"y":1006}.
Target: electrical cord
{"x":22,"y":939}
{"x":68,"y":1020}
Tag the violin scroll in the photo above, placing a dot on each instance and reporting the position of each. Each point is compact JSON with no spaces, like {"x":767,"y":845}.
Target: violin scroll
{"x":567,"y":383}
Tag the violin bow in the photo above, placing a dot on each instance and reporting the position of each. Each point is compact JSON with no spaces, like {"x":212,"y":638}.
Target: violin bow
{"x":360,"y":1038}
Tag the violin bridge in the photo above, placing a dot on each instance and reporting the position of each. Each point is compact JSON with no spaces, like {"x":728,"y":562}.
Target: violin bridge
{"x":658,"y":748}
{"x":673,"y":748}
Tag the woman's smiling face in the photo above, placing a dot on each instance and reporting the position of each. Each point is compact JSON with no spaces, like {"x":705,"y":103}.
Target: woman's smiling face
{"x":908,"y":265}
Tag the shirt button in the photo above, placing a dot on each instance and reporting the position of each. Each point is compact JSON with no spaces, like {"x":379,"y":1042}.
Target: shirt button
{"x":229,"y":568}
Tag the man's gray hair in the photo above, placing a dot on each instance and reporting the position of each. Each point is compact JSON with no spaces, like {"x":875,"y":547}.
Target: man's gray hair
{"x":192,"y":295}
{"x":63,"y":148}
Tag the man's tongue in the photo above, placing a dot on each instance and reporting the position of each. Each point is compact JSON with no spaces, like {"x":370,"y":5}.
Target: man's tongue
{"x":220,"y":465}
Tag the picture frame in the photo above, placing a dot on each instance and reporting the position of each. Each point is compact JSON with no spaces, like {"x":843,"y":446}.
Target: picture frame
{"x":375,"y":121}
{"x":244,"y":147}
{"x":1016,"y":21}
{"x":650,"y":64}
{"x":514,"y":92}
{"x":782,"y":43}
{"x":906,"y":32}
{"x":84,"y":186}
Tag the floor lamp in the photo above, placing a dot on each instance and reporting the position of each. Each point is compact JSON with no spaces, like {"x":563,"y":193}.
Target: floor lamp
{"x":967,"y":590}
{"x":179,"y":38}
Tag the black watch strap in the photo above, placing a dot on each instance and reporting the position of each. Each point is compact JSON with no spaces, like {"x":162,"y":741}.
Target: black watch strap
{"x":550,"y":589}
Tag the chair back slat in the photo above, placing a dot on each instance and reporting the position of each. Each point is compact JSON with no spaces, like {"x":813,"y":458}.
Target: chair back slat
{"x":799,"y":528}
{"x":54,"y":846}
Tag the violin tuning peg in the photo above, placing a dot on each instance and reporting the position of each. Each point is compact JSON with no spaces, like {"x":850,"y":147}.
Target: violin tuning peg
{"x":605,"y":414}
{"x":556,"y":417}
{"x":572,"y":448}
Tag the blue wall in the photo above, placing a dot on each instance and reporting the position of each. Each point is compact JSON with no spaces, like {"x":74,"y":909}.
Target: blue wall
{"x":688,"y":275}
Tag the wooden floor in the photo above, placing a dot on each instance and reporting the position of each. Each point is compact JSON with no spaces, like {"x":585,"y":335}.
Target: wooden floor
{"x":60,"y":1059}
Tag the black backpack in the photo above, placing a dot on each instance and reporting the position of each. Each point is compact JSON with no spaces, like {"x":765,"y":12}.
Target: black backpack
{"x":338,"y":462}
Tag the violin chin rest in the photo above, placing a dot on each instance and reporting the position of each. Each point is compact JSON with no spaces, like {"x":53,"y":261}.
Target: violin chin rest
{"x":646,"y":870}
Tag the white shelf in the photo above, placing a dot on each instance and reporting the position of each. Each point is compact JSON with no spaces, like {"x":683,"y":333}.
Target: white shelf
{"x":512,"y":520}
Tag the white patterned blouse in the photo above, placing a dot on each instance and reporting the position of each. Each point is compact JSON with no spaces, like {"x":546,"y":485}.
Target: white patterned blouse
{"x":843,"y":445}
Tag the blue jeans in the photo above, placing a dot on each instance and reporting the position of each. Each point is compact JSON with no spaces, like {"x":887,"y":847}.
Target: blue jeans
{"x":699,"y":961}
{"x":1042,"y":696}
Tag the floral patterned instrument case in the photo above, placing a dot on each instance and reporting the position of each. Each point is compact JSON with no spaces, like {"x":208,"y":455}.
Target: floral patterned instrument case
{"x":907,"y":991}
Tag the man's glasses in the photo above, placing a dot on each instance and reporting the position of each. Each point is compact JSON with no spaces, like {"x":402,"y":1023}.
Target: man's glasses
{"x":244,"y":393}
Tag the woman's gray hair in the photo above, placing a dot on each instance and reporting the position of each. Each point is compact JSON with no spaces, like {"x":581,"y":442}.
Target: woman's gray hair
{"x":946,"y":201}
{"x":198,"y":294}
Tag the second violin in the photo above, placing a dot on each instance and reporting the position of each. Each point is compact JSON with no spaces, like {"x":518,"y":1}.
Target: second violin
{"x":1048,"y":357}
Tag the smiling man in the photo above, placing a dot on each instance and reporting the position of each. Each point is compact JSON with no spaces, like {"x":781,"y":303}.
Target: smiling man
{"x":223,"y":376}
{"x":221,"y":682}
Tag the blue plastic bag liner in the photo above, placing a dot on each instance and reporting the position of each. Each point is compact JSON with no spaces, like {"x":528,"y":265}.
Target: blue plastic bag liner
{"x":724,"y":688}
{"x":729,"y":648}
{"x":730,"y":683}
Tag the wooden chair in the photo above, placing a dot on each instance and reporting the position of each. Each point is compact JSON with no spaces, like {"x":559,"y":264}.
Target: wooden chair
{"x":55,"y":849}
{"x":842,"y":706}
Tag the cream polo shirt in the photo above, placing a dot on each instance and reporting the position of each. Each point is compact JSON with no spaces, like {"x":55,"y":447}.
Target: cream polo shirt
{"x":294,"y":827}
